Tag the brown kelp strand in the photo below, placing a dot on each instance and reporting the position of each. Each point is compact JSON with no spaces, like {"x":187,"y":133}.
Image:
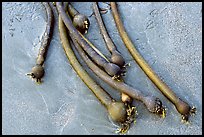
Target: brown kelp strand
{"x":153,"y":104}
{"x":79,"y":18}
{"x":116,"y":57}
{"x":114,"y":109}
{"x":183,"y":107}
{"x":110,"y":68}
{"x":80,"y":21}
{"x":72,"y":11}
{"x":38,"y":70}
{"x":117,"y":110}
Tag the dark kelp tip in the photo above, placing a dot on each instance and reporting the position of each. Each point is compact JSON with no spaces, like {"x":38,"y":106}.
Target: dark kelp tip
{"x":81,"y":22}
{"x":154,"y":105}
{"x":159,"y":108}
{"x":131,"y":117}
{"x":185,"y":117}
{"x":37,"y":73}
{"x":185,"y":109}
{"x":117,"y":58}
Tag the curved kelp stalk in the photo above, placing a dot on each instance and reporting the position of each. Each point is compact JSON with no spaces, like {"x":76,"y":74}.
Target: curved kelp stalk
{"x":38,"y":70}
{"x":117,"y":110}
{"x":116,"y":56}
{"x":82,"y":23}
{"x":183,"y":107}
{"x":82,"y":20}
{"x":111,"y":68}
{"x":152,"y":103}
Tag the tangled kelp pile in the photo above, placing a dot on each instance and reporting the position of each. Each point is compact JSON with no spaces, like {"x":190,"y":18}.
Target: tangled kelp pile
{"x":72,"y":27}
